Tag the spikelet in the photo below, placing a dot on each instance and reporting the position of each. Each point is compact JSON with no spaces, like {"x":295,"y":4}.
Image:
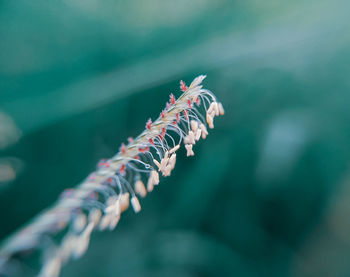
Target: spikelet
{"x":99,"y":201}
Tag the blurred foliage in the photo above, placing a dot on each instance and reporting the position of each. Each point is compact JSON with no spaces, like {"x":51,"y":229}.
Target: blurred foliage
{"x":268,"y":192}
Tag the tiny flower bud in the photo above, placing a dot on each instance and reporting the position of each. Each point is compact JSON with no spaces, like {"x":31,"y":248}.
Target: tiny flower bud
{"x":189,"y":103}
{"x":148,"y":124}
{"x":122,"y":148}
{"x":162,"y":114}
{"x":183,"y":86}
{"x":172,"y":99}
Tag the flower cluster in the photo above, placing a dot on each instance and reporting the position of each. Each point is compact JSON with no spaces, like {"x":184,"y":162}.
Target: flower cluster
{"x":98,"y":202}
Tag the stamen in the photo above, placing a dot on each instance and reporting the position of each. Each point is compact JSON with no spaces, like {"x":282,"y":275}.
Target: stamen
{"x":174,"y":149}
{"x":210,"y":121}
{"x":135,"y":204}
{"x":204,"y":130}
{"x":194,"y":125}
{"x":140,"y":188}
{"x":221,"y":109}
{"x":189,"y":150}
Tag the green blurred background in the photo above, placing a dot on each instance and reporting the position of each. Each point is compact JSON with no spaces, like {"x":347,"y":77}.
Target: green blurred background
{"x":268,"y":192}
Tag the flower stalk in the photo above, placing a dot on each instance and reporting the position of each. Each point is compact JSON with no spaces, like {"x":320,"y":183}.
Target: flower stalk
{"x":98,"y":202}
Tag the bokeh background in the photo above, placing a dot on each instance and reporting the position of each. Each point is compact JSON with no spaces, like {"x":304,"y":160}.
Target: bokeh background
{"x":268,"y":192}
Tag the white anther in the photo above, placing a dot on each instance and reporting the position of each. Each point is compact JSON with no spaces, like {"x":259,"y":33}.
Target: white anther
{"x":210,"y":121}
{"x":153,"y":180}
{"x":172,"y":161}
{"x":88,"y":230}
{"x":79,"y":222}
{"x":150,"y":184}
{"x":216,"y":108}
{"x":140,"y":188}
{"x":167,"y":170}
{"x":194,"y":126}
{"x":124,"y":201}
{"x":114,"y":221}
{"x":68,"y":243}
{"x":221,"y":109}
{"x":163,"y":163}
{"x":52,"y":267}
{"x":189,"y":149}
{"x":212,"y":114}
{"x":198,"y":134}
{"x":211,"y":108}
{"x":95,"y":216}
{"x":204,"y":130}
{"x":113,"y":206}
{"x":174,"y":149}
{"x":191,"y":138}
{"x":135,"y":204}
{"x":105,"y":221}
{"x":82,"y":242}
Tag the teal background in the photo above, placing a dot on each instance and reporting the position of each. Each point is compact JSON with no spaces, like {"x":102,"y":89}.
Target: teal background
{"x":267,"y":193}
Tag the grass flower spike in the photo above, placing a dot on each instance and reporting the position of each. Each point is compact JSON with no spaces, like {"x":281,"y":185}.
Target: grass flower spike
{"x":98,"y":202}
